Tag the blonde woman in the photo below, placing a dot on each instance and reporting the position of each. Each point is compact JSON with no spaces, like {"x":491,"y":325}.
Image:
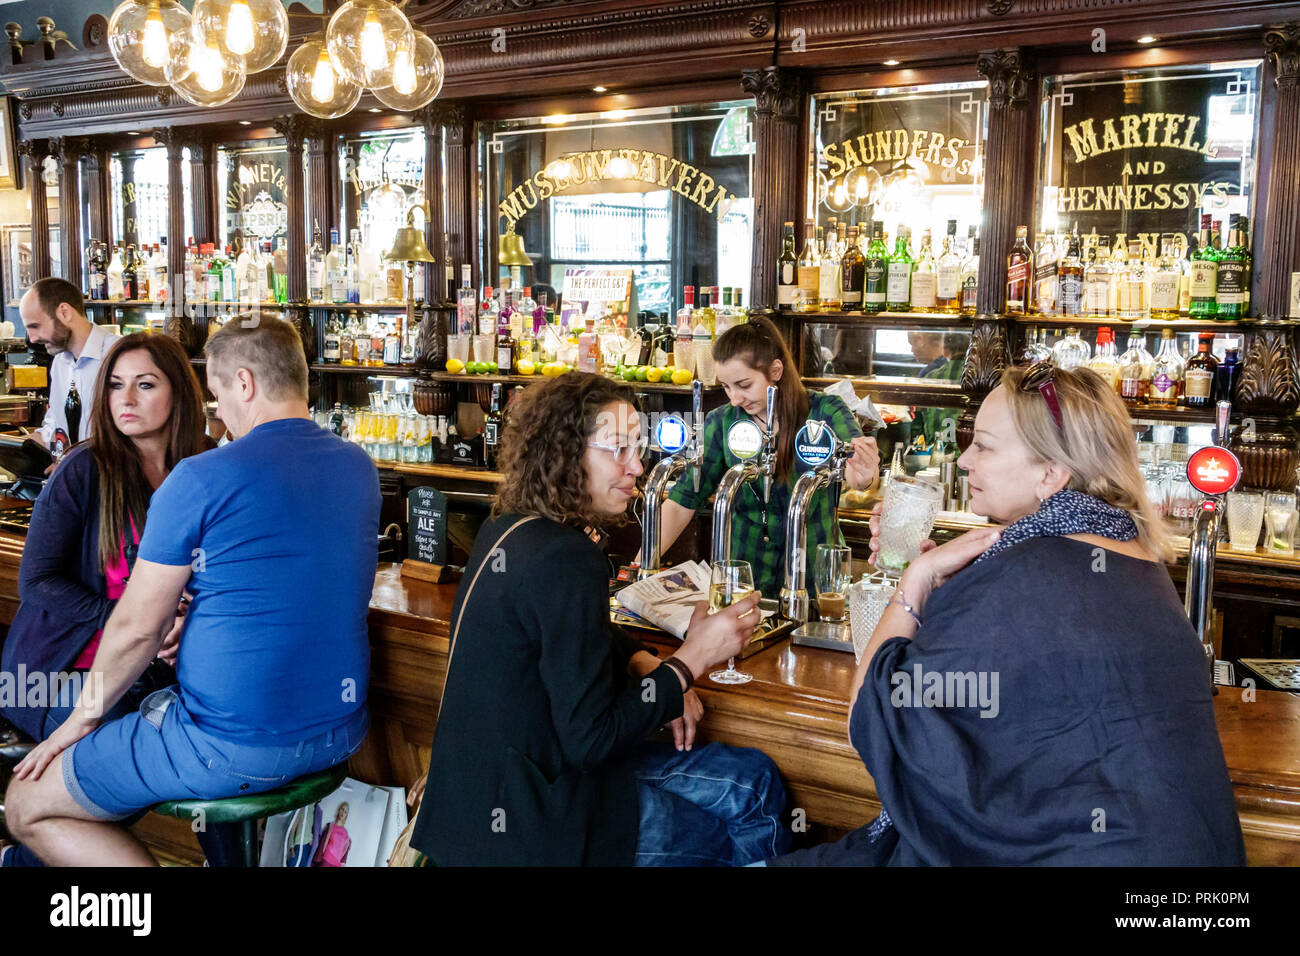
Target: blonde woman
{"x":1035,"y":693}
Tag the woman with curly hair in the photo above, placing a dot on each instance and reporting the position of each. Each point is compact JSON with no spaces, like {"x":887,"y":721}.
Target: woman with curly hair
{"x":541,"y":756}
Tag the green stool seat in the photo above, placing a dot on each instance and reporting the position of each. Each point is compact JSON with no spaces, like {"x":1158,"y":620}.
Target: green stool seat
{"x":247,"y":809}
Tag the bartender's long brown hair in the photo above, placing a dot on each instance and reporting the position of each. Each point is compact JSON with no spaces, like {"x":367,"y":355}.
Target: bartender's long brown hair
{"x":758,"y":344}
{"x":124,"y":492}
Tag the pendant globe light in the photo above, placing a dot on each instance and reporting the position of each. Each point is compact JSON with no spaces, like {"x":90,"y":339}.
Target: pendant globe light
{"x":315,"y":84}
{"x":418,"y":71}
{"x":139,"y":34}
{"x":257,"y":30}
{"x":363,"y":37}
{"x":201,"y":72}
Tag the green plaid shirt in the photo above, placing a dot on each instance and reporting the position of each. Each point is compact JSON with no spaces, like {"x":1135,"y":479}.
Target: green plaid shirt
{"x":757,"y":537}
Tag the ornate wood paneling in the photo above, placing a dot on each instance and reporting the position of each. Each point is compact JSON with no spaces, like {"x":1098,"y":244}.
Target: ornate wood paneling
{"x":778,"y":97}
{"x":459,"y":225}
{"x":70,"y":149}
{"x":296,"y":129}
{"x":34,"y":152}
{"x":1282,"y":208}
{"x":174,"y":139}
{"x":322,"y":180}
{"x":435,"y":224}
{"x":203,"y":186}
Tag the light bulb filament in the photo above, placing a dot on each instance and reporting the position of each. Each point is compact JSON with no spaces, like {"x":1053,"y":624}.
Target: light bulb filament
{"x":322,"y":79}
{"x":404,"y":70}
{"x":153,"y":48}
{"x":239,"y":28}
{"x":209,"y":68}
{"x":374,"y":52}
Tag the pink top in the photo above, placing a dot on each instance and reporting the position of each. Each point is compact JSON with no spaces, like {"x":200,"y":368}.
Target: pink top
{"x":115,"y":576}
{"x":333,"y":850}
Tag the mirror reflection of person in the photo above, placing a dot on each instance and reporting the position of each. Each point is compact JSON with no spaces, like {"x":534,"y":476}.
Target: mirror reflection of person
{"x":332,"y":850}
{"x":927,"y":348}
{"x":947,"y":367}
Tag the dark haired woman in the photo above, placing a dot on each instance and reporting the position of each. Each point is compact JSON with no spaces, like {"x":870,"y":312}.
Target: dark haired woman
{"x":147,"y":415}
{"x":540,"y":755}
{"x":749,"y":358}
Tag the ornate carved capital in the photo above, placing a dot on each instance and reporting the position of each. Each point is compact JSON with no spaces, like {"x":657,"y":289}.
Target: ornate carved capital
{"x":296,"y":129}
{"x":774,"y":90}
{"x":450,"y":115}
{"x":759,"y":25}
{"x":988,"y":355}
{"x":70,"y":149}
{"x":1283,"y":48}
{"x":35,"y":151}
{"x":175,"y":138}
{"x":1009,"y":78}
{"x":1000,"y":8}
{"x":1270,"y":380}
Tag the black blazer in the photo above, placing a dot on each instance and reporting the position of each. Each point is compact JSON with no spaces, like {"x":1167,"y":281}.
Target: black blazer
{"x":532,"y":760}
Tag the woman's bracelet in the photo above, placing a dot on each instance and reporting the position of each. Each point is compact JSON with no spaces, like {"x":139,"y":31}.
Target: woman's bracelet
{"x":901,"y":601}
{"x":682,"y":671}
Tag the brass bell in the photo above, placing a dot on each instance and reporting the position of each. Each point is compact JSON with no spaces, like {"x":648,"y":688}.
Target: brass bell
{"x":408,"y":243}
{"x":510,"y":249}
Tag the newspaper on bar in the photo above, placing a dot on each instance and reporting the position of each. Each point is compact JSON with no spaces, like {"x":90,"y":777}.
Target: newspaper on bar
{"x":667,"y":600}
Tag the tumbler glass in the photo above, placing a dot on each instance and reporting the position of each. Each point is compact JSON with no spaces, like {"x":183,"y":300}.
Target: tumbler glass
{"x":458,"y":348}
{"x":868,"y":599}
{"x":1280,"y":523}
{"x":832,"y":572}
{"x":906,"y":520}
{"x":1245,"y":516}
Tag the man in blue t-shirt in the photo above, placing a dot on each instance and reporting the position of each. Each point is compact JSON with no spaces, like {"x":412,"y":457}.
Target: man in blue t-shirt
{"x":274,"y":536}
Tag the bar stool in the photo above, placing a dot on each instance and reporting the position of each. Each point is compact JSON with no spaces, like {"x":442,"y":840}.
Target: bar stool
{"x":247,"y":809}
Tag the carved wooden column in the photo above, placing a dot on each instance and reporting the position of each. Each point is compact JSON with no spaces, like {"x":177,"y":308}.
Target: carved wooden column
{"x":435,"y":228}
{"x":34,"y":152}
{"x":71,"y":149}
{"x":295,"y":128}
{"x":777,"y":167}
{"x":99,"y":222}
{"x":1269,"y":390}
{"x":459,"y":214}
{"x":322,"y":181}
{"x":174,"y":139}
{"x":204,"y":201}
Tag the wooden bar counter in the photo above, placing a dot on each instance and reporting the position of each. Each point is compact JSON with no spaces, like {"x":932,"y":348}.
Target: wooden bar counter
{"x":795,"y":710}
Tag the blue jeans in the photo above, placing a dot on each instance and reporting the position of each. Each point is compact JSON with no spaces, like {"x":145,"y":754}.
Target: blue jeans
{"x":711,"y":806}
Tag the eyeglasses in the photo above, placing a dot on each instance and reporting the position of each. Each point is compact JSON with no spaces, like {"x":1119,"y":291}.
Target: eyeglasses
{"x":623,"y":454}
{"x":1038,"y":377}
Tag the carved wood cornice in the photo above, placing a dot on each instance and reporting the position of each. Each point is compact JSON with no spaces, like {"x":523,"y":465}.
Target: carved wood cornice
{"x":1283,"y":48}
{"x":775,"y":90}
{"x":1010,"y":78}
{"x":297,"y":128}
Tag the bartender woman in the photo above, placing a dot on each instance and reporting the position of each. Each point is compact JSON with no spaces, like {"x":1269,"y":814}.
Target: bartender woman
{"x":749,"y":358}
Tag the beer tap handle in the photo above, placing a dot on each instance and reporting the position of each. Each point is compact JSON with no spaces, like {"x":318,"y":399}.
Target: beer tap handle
{"x":1222,"y":417}
{"x":697,"y":413}
{"x":768,"y":464}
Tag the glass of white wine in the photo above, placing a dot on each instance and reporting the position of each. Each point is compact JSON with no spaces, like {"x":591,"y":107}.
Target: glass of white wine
{"x":729,"y":582}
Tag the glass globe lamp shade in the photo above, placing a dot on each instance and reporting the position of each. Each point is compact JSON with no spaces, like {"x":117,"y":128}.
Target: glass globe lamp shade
{"x":201,"y":72}
{"x":315,"y":84}
{"x":363,"y":38}
{"x":257,"y":30}
{"x":139,"y":35}
{"x":418,"y":71}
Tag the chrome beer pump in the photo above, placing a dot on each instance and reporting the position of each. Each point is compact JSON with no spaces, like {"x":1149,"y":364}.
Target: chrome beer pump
{"x":815,"y":445}
{"x":757,"y":454}
{"x":684,"y":451}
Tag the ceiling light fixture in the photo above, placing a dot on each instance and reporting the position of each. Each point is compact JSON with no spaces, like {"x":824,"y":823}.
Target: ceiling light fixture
{"x":891,"y":63}
{"x":1146,"y":38}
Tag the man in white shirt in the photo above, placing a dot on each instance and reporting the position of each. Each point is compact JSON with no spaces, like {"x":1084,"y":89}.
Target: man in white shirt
{"x":53,"y":313}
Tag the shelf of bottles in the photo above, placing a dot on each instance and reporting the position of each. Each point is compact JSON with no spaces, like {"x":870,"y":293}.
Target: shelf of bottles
{"x":388,"y":429}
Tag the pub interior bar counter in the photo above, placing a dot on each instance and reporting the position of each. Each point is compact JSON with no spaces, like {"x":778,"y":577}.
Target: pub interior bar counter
{"x":917,"y":196}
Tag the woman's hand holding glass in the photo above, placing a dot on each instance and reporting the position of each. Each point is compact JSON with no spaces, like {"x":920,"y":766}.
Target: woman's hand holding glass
{"x":713,"y":638}
{"x":938,"y":563}
{"x":874,"y":544}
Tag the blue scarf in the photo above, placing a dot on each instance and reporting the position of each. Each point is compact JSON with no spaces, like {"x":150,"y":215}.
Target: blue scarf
{"x":1067,"y":512}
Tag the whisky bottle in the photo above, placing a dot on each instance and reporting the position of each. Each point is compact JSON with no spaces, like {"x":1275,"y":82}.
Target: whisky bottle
{"x":130,"y":278}
{"x":1134,"y":285}
{"x":876,"y":278}
{"x":492,"y":429}
{"x":1105,"y":362}
{"x":923,"y":279}
{"x":809,"y":263}
{"x":898,"y":281}
{"x":1069,"y":274}
{"x":828,"y":279}
{"x":1135,"y":367}
{"x":1045,"y":256}
{"x":970,"y":272}
{"x":1020,"y":271}
{"x":1097,"y":281}
{"x":1205,"y":269}
{"x":1198,"y":379}
{"x":1167,"y":374}
{"x":1231,"y":275}
{"x":948,"y":276}
{"x":1165,"y":281}
{"x":1071,"y":351}
{"x":852,"y":273}
{"x":333,"y":341}
{"x":787,"y":271}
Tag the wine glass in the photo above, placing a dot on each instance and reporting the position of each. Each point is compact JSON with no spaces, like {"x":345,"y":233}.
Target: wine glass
{"x":729,"y":582}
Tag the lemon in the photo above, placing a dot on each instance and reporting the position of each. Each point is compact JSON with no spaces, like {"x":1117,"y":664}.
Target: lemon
{"x":525,"y":368}
{"x":654,"y":374}
{"x":455,"y":366}
{"x":682,"y":377}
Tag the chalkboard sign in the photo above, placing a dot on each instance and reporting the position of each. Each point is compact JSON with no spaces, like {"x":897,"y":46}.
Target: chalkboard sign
{"x":426,"y":526}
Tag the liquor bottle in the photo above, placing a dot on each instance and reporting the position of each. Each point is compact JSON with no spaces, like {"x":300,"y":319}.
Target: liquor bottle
{"x":809,"y":272}
{"x":96,"y":271}
{"x":875,"y":276}
{"x":705,"y":315}
{"x":787,"y":271}
{"x":1226,"y":376}
{"x":1232,"y":273}
{"x":1036,"y":348}
{"x":1178,"y":247}
{"x":1071,"y":351}
{"x":853,"y":267}
{"x":898,"y":283}
{"x":393,"y":347}
{"x":970,"y":271}
{"x":1166,"y":279}
{"x":1198,"y":379}
{"x":589,"y":348}
{"x":316,"y":267}
{"x":1205,"y":274}
{"x":923,"y":278}
{"x":347,"y":342}
{"x":1135,"y":368}
{"x":1045,"y":256}
{"x":1020,"y":272}
{"x":212,"y":273}
{"x":143,"y":278}
{"x":448,"y":278}
{"x":492,"y":429}
{"x":333,"y":340}
{"x":948,"y":275}
{"x":1134,"y":288}
{"x":130,"y":277}
{"x":505,"y":344}
{"x":829,"y":293}
{"x":281,"y":266}
{"x":268,"y":277}
{"x":194,"y":274}
{"x":159,"y":277}
{"x":1097,"y":285}
{"x":228,"y":280}
{"x":1105,"y":362}
{"x":1167,"y":374}
{"x":377,"y":336}
{"x":466,"y":303}
{"x":372,"y":284}
{"x":114,"y":273}
{"x":726,"y":314}
{"x":351,"y":275}
{"x":72,"y":413}
{"x":336,"y":270}
{"x":1069,"y":274}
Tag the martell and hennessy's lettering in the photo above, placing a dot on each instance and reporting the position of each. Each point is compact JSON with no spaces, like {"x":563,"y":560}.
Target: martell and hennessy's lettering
{"x":1138,"y":131}
{"x":648,"y":167}
{"x":1139,"y":196}
{"x":895,"y":145}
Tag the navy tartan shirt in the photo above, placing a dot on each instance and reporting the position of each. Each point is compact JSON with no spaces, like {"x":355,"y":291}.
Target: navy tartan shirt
{"x":756,"y":536}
